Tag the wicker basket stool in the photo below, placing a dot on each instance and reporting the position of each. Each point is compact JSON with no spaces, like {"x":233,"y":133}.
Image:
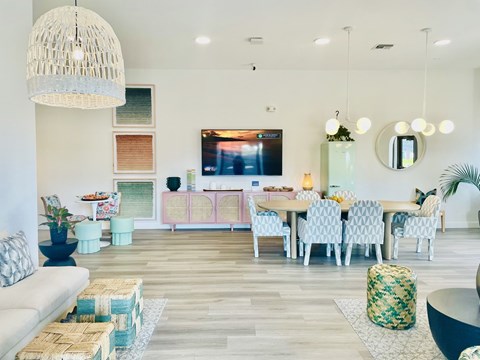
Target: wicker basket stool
{"x":392,"y":296}
{"x":122,"y":229}
{"x":88,"y":234}
{"x":471,"y":353}
{"x":72,"y":341}
{"x":116,"y":300}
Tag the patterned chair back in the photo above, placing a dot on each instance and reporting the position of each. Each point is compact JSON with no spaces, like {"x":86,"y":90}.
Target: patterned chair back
{"x":52,"y":200}
{"x":430,"y":207}
{"x":308,"y":195}
{"x":107,"y":209}
{"x":323,"y":223}
{"x":251,"y":207}
{"x":365,"y":224}
{"x":346,"y":194}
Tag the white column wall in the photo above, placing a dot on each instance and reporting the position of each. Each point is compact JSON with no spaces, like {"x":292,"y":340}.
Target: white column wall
{"x":18,"y":192}
{"x":191,"y":100}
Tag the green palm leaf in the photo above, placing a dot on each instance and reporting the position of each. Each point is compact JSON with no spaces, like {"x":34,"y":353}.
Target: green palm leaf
{"x":456,"y":174}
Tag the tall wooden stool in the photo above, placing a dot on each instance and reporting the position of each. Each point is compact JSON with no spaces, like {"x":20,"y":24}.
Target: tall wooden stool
{"x":72,"y":341}
{"x":392,"y":296}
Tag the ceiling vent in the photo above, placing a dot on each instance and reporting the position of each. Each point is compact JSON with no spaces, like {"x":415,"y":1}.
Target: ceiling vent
{"x":256,"y":40}
{"x":382,"y":47}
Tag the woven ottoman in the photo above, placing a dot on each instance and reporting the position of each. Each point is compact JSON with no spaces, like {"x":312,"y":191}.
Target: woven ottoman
{"x":392,"y":296}
{"x":88,"y":234}
{"x":73,"y":341}
{"x":116,"y":300}
{"x":121,"y":228}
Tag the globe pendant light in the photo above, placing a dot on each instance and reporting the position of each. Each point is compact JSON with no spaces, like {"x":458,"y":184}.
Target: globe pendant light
{"x":74,"y":60}
{"x":363,"y":124}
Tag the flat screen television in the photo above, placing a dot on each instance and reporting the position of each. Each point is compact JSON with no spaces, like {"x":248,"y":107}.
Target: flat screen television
{"x":242,"y":152}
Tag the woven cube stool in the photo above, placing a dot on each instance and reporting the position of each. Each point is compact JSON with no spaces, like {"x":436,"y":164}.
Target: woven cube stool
{"x":116,"y":300}
{"x":471,"y":353}
{"x":72,"y":341}
{"x":88,"y":234}
{"x":392,"y":296}
{"x":122,"y":229}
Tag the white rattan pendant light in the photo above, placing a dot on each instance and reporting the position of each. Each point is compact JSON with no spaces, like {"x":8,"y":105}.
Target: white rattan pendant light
{"x":363,"y":124}
{"x":74,"y":60}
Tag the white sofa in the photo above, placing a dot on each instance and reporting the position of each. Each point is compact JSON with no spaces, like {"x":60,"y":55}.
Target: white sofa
{"x":27,"y":306}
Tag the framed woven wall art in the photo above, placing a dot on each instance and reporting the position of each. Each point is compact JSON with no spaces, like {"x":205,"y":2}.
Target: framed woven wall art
{"x":139,"y":108}
{"x":133,"y":152}
{"x":138,"y":197}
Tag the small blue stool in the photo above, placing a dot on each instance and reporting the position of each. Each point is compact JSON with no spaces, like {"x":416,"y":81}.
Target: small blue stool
{"x":88,"y":234}
{"x":122,"y":229}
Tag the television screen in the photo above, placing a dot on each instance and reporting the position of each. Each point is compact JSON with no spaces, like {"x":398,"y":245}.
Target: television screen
{"x":242,"y":152}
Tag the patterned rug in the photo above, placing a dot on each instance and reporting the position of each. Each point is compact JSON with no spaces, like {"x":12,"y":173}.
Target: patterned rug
{"x":412,"y":344}
{"x":152,"y":310}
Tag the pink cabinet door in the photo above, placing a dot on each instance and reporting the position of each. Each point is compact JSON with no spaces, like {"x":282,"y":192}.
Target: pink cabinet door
{"x":202,"y":208}
{"x":229,"y":207}
{"x":175,"y":207}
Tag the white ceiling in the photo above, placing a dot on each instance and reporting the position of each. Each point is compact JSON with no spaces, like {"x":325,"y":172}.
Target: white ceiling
{"x":159,"y":34}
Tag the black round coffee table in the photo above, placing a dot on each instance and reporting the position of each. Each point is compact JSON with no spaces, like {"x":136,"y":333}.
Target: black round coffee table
{"x":59,"y":254}
{"x":454,"y":319}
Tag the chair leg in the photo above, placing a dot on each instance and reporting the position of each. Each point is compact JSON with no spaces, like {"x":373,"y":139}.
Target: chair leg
{"x":395,"y":247}
{"x":430,"y":249}
{"x":442,"y":220}
{"x":419,"y":245}
{"x":367,"y":250}
{"x":300,"y":248}
{"x":255,"y":245}
{"x":329,"y":249}
{"x":349,"y":254}
{"x":338,"y":252}
{"x":286,"y":244}
{"x":378,"y":251}
{"x":308,"y":248}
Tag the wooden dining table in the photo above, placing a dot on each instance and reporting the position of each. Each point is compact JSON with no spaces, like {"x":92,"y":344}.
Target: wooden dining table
{"x":294,"y":207}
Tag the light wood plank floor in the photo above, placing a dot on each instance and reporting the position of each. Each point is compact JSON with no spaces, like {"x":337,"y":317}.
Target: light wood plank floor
{"x":223,"y":304}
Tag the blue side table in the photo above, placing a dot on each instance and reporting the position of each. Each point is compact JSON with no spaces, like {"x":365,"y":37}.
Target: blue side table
{"x":59,"y":254}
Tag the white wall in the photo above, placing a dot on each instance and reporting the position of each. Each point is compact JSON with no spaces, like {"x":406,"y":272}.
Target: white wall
{"x":188,"y":101}
{"x":18,"y":192}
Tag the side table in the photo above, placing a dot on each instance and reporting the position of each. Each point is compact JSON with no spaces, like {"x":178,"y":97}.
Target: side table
{"x":59,"y":254}
{"x":454,"y":319}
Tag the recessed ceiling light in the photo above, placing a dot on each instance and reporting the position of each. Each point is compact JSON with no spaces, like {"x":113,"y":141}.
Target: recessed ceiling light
{"x":202,"y":40}
{"x":321,"y":41}
{"x":442,"y":42}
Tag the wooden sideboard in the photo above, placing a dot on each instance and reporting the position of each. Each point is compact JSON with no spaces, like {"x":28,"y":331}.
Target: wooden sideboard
{"x":213,"y":207}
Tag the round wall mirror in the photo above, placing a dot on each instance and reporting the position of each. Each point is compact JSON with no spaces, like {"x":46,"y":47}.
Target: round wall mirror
{"x":399,"y":152}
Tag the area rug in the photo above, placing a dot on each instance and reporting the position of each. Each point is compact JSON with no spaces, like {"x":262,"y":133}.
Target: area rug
{"x":415,"y":343}
{"x":152,"y":310}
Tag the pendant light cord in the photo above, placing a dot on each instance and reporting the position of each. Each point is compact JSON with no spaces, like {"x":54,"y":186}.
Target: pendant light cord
{"x":424,"y":113}
{"x":348,"y":29}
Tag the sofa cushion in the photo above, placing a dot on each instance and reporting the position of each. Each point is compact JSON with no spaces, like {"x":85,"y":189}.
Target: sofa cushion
{"x":16,"y":324}
{"x":45,"y":290}
{"x":15,"y":260}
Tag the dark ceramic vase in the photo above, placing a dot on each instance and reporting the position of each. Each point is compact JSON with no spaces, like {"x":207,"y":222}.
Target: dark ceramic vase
{"x":58,"y":237}
{"x":173,"y":183}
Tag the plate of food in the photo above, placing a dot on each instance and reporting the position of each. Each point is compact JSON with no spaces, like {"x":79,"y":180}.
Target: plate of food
{"x":94,"y":197}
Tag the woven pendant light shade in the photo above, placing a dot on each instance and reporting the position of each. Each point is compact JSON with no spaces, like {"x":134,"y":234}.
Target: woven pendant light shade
{"x":74,"y":59}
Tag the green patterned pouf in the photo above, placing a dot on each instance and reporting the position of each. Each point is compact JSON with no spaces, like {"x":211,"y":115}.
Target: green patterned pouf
{"x":117,"y":300}
{"x":471,"y":353}
{"x":392,"y":296}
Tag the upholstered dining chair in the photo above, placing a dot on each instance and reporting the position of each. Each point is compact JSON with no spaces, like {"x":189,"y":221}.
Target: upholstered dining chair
{"x":267,"y":223}
{"x":109,"y":208}
{"x":364,"y":226}
{"x":420,"y":225}
{"x":307,"y":195}
{"x":322,"y":226}
{"x":54,"y":200}
{"x":346,"y":194}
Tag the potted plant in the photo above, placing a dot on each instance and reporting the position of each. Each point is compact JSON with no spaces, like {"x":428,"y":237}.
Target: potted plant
{"x":453,"y":176}
{"x":58,"y":222}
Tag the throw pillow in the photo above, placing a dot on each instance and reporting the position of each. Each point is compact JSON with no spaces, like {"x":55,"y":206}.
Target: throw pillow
{"x":420,"y":196}
{"x":15,"y":260}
